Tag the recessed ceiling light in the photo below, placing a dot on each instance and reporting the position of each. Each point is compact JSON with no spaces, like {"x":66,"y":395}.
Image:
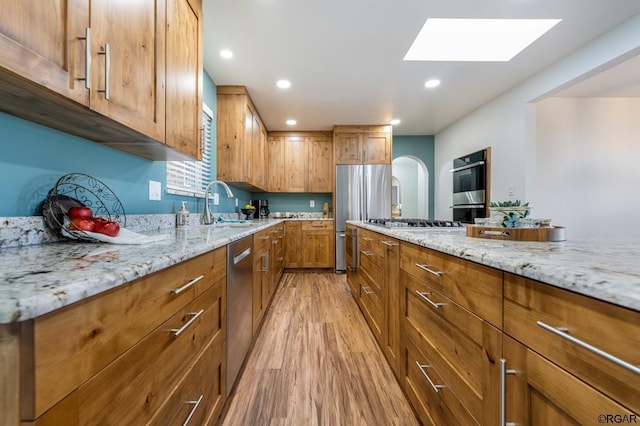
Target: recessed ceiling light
{"x":476,"y":39}
{"x":394,"y":121}
{"x":227,"y":54}
{"x":291,"y":122}
{"x":283,"y":84}
{"x":430,"y":84}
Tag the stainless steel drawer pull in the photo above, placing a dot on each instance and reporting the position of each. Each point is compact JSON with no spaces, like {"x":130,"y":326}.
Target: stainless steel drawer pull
{"x":87,"y":60}
{"x":367,"y":253}
{"x":433,"y":385}
{"x":367,"y":239}
{"x":317,"y":225}
{"x":423,"y":296}
{"x":265,"y":268}
{"x":195,"y":403}
{"x":178,"y":331}
{"x":503,"y":392}
{"x":106,"y":51}
{"x":266,"y":237}
{"x":431,"y":271}
{"x":388,"y":243}
{"x":564,"y":333}
{"x":187,"y":285}
{"x":365,"y":290}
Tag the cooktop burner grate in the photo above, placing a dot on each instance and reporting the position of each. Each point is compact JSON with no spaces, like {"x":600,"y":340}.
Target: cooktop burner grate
{"x":422,"y":223}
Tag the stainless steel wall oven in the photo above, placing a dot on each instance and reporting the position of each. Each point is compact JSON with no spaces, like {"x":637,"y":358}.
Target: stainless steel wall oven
{"x":471,"y":186}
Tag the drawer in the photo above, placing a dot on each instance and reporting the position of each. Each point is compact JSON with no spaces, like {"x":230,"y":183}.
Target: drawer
{"x":65,"y":348}
{"x":135,"y":386}
{"x":262,"y":240}
{"x":372,"y":264}
{"x":460,"y":345}
{"x":369,"y":241}
{"x":317,"y":225}
{"x":371,"y":302}
{"x":200,"y":395}
{"x":432,"y":398}
{"x":553,"y":322}
{"x":475,"y":287}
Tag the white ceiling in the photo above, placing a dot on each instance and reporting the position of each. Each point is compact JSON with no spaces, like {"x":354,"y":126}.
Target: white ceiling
{"x":344,"y":57}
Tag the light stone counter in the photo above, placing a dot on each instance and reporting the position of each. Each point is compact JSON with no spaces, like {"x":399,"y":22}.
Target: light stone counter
{"x":605,"y":270}
{"x":37,"y":279}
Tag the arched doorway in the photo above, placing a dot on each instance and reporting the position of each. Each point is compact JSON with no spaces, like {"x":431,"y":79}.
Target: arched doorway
{"x":410,"y":187}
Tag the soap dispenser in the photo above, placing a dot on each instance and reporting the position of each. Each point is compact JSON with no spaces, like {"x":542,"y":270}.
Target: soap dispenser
{"x":182,"y":217}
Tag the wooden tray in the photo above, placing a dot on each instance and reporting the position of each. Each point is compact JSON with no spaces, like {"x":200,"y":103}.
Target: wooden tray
{"x":550,"y":233}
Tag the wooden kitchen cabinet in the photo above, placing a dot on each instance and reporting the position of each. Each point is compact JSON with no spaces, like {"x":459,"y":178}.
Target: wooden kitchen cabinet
{"x":107,"y":72}
{"x":372,"y":284}
{"x":539,"y":392}
{"x":546,"y":319}
{"x":277,"y":258}
{"x":309,"y":244}
{"x":184,"y":97}
{"x":120,"y":356}
{"x":317,"y":244}
{"x":241,"y":145}
{"x":352,"y":260}
{"x":261,"y":275}
{"x":300,"y":162}
{"x":362,"y":144}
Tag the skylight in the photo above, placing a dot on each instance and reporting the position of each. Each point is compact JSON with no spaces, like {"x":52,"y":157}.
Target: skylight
{"x":491,"y":40}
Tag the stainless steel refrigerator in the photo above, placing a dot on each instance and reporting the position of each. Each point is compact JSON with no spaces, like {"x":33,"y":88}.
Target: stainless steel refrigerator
{"x":362,"y":192}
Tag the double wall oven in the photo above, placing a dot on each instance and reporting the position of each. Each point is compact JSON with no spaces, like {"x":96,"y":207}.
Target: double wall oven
{"x":471,"y":186}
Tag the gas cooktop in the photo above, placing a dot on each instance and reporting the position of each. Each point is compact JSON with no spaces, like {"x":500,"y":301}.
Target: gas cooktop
{"x":416,"y":223}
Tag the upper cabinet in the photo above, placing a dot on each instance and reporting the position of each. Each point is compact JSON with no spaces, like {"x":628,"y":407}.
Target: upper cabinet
{"x":184,"y":77}
{"x":116,"y":73}
{"x":300,"y":161}
{"x":362,"y":144}
{"x":241,"y":140}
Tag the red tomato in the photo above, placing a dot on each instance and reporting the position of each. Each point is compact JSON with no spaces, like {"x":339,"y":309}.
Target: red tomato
{"x":107,"y":228}
{"x":82,"y":224}
{"x":78,"y":212}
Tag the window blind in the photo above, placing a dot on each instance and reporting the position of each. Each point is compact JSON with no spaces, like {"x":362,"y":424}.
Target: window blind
{"x":192,"y":177}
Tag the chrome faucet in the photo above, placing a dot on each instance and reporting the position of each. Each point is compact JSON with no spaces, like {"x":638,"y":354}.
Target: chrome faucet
{"x":207,"y":217}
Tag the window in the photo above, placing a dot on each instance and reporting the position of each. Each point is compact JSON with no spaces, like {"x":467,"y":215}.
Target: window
{"x":192,"y":177}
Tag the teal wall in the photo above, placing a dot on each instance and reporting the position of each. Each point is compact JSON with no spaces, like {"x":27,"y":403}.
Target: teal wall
{"x":33,"y":157}
{"x":423,"y":148}
{"x":286,"y":202}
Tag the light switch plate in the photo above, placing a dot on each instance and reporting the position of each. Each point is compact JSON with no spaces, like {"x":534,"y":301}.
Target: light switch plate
{"x":155,"y":190}
{"x":312,"y":203}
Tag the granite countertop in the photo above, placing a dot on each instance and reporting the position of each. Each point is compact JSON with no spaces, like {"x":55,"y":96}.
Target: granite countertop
{"x":605,"y":270}
{"x":38,"y":279}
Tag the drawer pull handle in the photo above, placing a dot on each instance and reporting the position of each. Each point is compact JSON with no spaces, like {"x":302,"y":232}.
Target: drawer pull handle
{"x":367,"y":239}
{"x":564,"y":333}
{"x":431,"y":271}
{"x":388,"y":243}
{"x":193,"y":410}
{"x":266,"y":237}
{"x":423,"y":296}
{"x":367,"y":253}
{"x":317,"y":225}
{"x":365,"y":290}
{"x":424,"y":373}
{"x":87,"y":61}
{"x":178,"y":331}
{"x":503,"y":392}
{"x":187,"y":285}
{"x":106,"y":51}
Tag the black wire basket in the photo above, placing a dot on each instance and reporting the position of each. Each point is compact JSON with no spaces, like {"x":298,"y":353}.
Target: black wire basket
{"x":81,"y":190}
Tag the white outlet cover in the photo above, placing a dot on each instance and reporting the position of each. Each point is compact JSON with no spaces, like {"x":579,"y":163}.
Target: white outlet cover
{"x":312,"y":203}
{"x":155,"y":190}
{"x":216,"y":199}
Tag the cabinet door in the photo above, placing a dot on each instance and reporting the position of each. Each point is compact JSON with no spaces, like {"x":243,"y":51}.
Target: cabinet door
{"x":184,"y":77}
{"x":259,"y":153}
{"x":259,"y":267}
{"x":275,"y":164}
{"x":320,"y":164}
{"x":538,"y":392}
{"x":348,"y":148}
{"x":247,"y":144}
{"x":292,"y":244}
{"x":42,"y":42}
{"x":128,"y":60}
{"x":230,"y":137}
{"x":376,"y":148}
{"x":391,"y":301}
{"x":295,"y":164}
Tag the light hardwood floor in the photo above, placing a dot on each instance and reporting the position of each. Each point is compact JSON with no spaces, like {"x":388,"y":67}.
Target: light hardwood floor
{"x":316,"y":362}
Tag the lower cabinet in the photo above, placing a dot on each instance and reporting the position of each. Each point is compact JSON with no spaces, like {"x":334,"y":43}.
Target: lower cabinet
{"x":261,"y":276}
{"x":309,"y":244}
{"x":142,"y":353}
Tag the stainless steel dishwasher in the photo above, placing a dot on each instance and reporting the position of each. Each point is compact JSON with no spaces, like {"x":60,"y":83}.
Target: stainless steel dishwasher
{"x":239,"y":305}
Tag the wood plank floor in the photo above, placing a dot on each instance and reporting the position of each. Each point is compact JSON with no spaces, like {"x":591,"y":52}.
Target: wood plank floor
{"x":316,"y":363}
